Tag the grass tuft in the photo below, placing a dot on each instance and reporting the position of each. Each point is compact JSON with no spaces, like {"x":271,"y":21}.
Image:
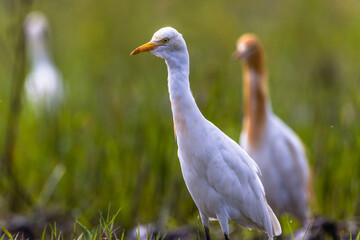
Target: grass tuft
{"x":105,"y":230}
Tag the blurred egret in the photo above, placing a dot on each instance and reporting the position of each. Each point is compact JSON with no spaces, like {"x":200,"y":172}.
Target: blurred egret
{"x":220,"y":176}
{"x":43,"y":84}
{"x":269,"y":141}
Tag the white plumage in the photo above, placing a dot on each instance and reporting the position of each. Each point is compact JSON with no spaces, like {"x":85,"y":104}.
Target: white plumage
{"x":220,"y":176}
{"x":43,"y":84}
{"x":268,"y":140}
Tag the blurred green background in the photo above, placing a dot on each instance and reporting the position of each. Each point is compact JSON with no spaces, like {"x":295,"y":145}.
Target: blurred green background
{"x":114,"y":133}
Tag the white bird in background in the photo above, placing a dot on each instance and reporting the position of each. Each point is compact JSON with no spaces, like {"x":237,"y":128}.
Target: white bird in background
{"x":269,"y":141}
{"x":44,"y":86}
{"x":220,"y":176}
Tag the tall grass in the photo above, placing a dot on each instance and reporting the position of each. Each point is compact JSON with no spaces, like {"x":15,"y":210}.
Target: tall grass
{"x":105,"y":230}
{"x":113,"y":138}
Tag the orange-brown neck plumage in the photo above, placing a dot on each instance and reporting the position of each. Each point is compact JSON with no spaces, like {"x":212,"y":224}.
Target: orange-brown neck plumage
{"x":255,"y":96}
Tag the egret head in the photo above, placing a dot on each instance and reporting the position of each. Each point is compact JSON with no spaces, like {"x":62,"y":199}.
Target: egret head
{"x":36,"y":26}
{"x":247,"y":46}
{"x":165,"y":43}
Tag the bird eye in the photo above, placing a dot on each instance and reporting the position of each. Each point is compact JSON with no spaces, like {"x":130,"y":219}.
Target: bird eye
{"x":165,"y":40}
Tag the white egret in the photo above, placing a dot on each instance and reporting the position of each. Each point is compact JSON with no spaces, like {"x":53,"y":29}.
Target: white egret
{"x":44,"y":86}
{"x":220,"y":176}
{"x":269,"y":141}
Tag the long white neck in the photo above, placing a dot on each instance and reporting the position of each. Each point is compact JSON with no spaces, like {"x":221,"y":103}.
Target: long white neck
{"x":185,"y":111}
{"x":38,"y":52}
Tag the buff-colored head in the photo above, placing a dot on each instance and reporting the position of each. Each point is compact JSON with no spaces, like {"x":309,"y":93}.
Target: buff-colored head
{"x":164,"y":43}
{"x":246,"y":46}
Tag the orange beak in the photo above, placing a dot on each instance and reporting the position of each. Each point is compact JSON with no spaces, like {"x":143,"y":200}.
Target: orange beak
{"x":143,"y":48}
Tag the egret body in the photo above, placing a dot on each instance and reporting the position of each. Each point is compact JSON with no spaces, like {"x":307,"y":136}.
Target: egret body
{"x":269,"y":141}
{"x":44,"y":86}
{"x":220,"y":176}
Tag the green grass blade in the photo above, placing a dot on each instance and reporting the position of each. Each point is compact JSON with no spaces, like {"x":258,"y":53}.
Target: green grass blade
{"x":308,"y":228}
{"x":7,"y":232}
{"x":111,"y":223}
{"x":108,"y":213}
{"x":95,"y":233}
{"x":138,"y":232}
{"x":75,"y":228}
{"x":290,"y":229}
{"x":80,"y":237}
{"x":115,"y":215}
{"x":43,"y":234}
{"x":85,"y":228}
{"x":358,"y":236}
{"x":53,"y":231}
{"x":16,"y":236}
{"x":164,"y":236}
